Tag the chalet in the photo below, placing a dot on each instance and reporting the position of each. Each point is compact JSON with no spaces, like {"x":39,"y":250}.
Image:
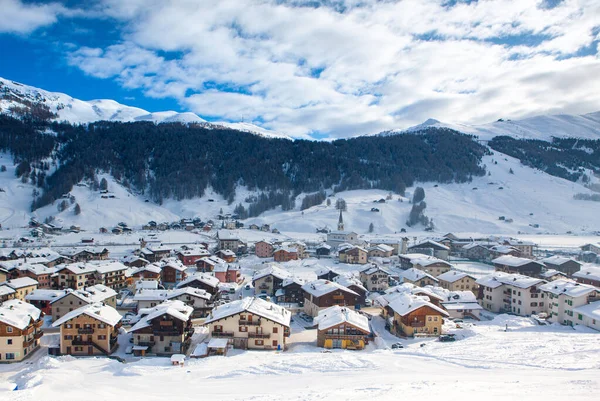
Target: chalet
{"x":588,"y":275}
{"x":165,"y":329}
{"x":551,"y":275}
{"x":354,"y":284}
{"x":291,"y":291}
{"x":155,"y":253}
{"x":254,"y":227}
{"x":265,"y":227}
{"x":502,"y":292}
{"x":323,"y":250}
{"x":209,"y":263}
{"x":85,"y":254}
{"x":588,"y":315}
{"x":511,"y":264}
{"x":589,"y":257}
{"x":6,"y":293}
{"x":264,"y":249}
{"x":564,"y":296}
{"x":418,"y":277}
{"x":569,"y":266}
{"x":151,"y":272}
{"x":20,"y":330}
{"x":228,"y":240}
{"x":110,"y":273}
{"x":38,"y":272}
{"x":477,"y":251}
{"x":3,"y":275}
{"x":321,"y":294}
{"x":90,"y":330}
{"x":326,"y":273}
{"x":341,"y":327}
{"x":55,"y":260}
{"x":189,"y":257}
{"x":285,"y":254}
{"x":497,"y":251}
{"x":198,"y":299}
{"x":21,"y":286}
{"x":595,"y":248}
{"x":269,"y":280}
{"x":524,"y":247}
{"x":375,"y":278}
{"x":462,"y":304}
{"x":454,"y":280}
{"x":201,"y":281}
{"x":172,"y":273}
{"x":431,"y":248}
{"x":251,"y":323}
{"x":411,"y":316}
{"x":337,"y":238}
{"x":42,"y":299}
{"x":397,"y":245}
{"x":70,"y":299}
{"x":429,"y":264}
{"x":228,"y":273}
{"x":227,"y":255}
{"x":380,"y":251}
{"x":353,"y":255}
{"x":76,"y":275}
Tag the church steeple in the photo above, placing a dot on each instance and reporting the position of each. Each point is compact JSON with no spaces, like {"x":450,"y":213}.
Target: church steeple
{"x":341,"y":222}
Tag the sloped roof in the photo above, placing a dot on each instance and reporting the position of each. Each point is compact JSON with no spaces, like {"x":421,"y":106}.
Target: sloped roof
{"x":588,"y":272}
{"x":559,"y":260}
{"x":452,"y":276}
{"x":256,"y":306}
{"x":17,"y":313}
{"x":176,"y":309}
{"x":321,"y":287}
{"x":568,"y":287}
{"x":514,"y":261}
{"x":407,"y":304}
{"x":497,"y":279}
{"x":104,"y":313}
{"x":414,"y":274}
{"x":211,"y":281}
{"x":336,"y":315}
{"x":20,"y":282}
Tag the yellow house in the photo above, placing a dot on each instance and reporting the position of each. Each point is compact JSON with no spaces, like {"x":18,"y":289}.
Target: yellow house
{"x":454,"y":280}
{"x":414,"y":316}
{"x":22,"y":286}
{"x":20,"y":330}
{"x":341,"y":327}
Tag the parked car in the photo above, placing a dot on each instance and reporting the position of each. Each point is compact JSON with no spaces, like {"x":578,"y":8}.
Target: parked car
{"x":248,"y":286}
{"x":447,"y":338}
{"x":397,"y":346}
{"x":264,"y":296}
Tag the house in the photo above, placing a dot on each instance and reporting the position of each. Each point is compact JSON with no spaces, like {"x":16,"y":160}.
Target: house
{"x":595,"y":248}
{"x":228,"y":273}
{"x":503,"y":250}
{"x":380,"y":251}
{"x":42,"y":299}
{"x":427,"y":263}
{"x":291,"y":291}
{"x":501,"y":292}
{"x":269,"y":280}
{"x":477,"y":251}
{"x":22,"y":286}
{"x":6,"y":293}
{"x":155,"y":253}
{"x":341,"y":327}
{"x":326,"y":273}
{"x":150,"y":272}
{"x":209,"y":263}
{"x":90,"y":330}
{"x":3,"y":275}
{"x":375,"y":278}
{"x":201,"y":281}
{"x":525,"y":247}
{"x":134,"y":261}
{"x":512,"y":264}
{"x":418,"y":277}
{"x":265,"y":227}
{"x":165,"y":329}
{"x":551,"y":275}
{"x":285,"y":254}
{"x":321,"y":294}
{"x":228,"y":240}
{"x":323,"y":250}
{"x":76,"y":275}
{"x":354,"y":284}
{"x":454,"y":280}
{"x":412,"y":315}
{"x":264,"y":249}
{"x":563,"y":264}
{"x":110,"y":273}
{"x":251,"y":323}
{"x":254,"y":227}
{"x":588,"y":275}
{"x":588,"y":315}
{"x":198,"y":299}
{"x":397,"y":245}
{"x":190,"y":256}
{"x":227,"y":255}
{"x":353,"y":255}
{"x":172,"y":272}
{"x":461,"y":304}
{"x":70,"y":299}
{"x":336,"y":238}
{"x":564,"y":296}
{"x":85,"y":254}
{"x":20,"y":330}
{"x":431,"y":248}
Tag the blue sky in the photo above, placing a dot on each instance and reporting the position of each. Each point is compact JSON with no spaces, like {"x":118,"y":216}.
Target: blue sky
{"x":308,"y":68}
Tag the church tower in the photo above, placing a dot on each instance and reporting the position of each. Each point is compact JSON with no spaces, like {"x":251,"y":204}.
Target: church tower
{"x":341,"y":222}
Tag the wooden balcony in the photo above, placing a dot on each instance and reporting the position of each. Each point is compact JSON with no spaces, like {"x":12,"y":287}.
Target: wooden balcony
{"x":259,"y":335}
{"x":222,"y":334}
{"x":146,"y":343}
{"x":86,"y":330}
{"x":249,"y":322}
{"x":38,"y":334}
{"x":82,"y":342}
{"x":416,"y":324}
{"x":27,"y":343}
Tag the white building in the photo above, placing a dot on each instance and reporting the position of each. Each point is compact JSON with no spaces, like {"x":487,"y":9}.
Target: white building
{"x":512,"y":293}
{"x":564,"y":296}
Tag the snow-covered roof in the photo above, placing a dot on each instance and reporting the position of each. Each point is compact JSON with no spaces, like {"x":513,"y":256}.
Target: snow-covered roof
{"x":503,"y":249}
{"x":108,"y":266}
{"x":497,"y":279}
{"x":174,"y":263}
{"x":218,"y":343}
{"x":568,"y":287}
{"x":43,"y":295}
{"x":335,"y":315}
{"x":459,"y":297}
{"x":199,"y":251}
{"x":374,"y":269}
{"x":77,"y":268}
{"x":20,"y":282}
{"x":213,"y":260}
{"x":517,"y":242}
{"x":321,"y":287}
{"x":152,"y":268}
{"x":6,"y":290}
{"x":256,"y":306}
{"x":92,"y":294}
{"x":591,"y":310}
{"x":423,"y":260}
{"x":452,"y":276}
{"x":414,"y":274}
{"x":18,"y":314}
{"x":38,"y":269}
{"x":429,"y":244}
{"x":342,"y":232}
{"x":559,"y":260}
{"x":226,"y":252}
{"x":348,"y":281}
{"x":513,"y":261}
{"x":462,"y":305}
{"x":227,"y":235}
{"x":406,"y":304}
{"x":322,"y":270}
{"x":273,"y":270}
{"x":551,"y":273}
{"x":22,"y":263}
{"x":381,"y":248}
{"x":211,"y":281}
{"x":287,"y":249}
{"x":175,"y":308}
{"x":104,"y":313}
{"x":178,"y":358}
{"x":588,"y":272}
{"x":161,"y":295}
{"x":385,"y":241}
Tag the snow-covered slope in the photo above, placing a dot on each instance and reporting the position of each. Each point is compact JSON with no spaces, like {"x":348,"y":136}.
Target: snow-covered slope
{"x":67,"y":108}
{"x":586,"y":126}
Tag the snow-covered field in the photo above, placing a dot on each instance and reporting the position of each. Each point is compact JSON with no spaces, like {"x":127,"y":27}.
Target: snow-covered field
{"x":527,"y":362}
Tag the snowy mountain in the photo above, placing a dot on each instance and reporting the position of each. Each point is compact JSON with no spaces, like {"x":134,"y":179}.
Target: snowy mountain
{"x":66,"y":108}
{"x":586,"y":126}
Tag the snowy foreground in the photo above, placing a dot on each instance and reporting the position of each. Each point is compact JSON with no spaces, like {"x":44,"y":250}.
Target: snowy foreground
{"x":527,"y":362}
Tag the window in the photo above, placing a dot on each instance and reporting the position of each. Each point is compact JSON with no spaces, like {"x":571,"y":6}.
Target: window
{"x":259,"y":342}
{"x":10,"y":355}
{"x":9,"y":341}
{"x":102,"y":337}
{"x":69,"y":326}
{"x":9,"y":329}
{"x":579,"y":316}
{"x":435,"y":318}
{"x":275,"y":330}
{"x":429,"y":318}
{"x":243,"y":329}
{"x":274,"y":343}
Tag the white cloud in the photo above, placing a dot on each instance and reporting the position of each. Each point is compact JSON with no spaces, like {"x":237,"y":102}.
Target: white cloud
{"x":17,"y":17}
{"x":355,"y":66}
